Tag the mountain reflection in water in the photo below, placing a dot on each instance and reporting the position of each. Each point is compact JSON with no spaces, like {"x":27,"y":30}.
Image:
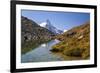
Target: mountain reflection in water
{"x":42,"y":53}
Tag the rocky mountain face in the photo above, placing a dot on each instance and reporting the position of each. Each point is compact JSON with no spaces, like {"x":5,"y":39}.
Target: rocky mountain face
{"x":50,"y":27}
{"x":32,"y":34}
{"x":74,"y":42}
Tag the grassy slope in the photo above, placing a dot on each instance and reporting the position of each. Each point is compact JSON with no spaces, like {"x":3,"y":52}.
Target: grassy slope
{"x":75,"y":42}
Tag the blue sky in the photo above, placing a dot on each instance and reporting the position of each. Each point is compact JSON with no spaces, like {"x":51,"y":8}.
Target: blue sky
{"x":61,"y":20}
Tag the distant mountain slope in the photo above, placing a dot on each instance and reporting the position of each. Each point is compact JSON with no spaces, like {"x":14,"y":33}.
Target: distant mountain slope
{"x":50,"y":27}
{"x":75,"y":42}
{"x":32,"y":34}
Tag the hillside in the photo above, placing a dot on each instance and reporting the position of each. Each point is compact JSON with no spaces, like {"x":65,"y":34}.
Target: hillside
{"x":32,"y":35}
{"x":74,"y":42}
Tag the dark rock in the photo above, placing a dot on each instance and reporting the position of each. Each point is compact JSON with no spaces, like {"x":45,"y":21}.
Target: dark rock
{"x":71,"y":34}
{"x":54,"y":50}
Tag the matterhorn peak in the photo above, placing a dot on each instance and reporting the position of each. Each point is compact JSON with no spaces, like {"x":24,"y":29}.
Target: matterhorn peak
{"x":47,"y":24}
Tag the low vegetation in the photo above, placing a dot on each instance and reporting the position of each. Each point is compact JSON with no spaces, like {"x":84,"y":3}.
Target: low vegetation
{"x":75,"y":42}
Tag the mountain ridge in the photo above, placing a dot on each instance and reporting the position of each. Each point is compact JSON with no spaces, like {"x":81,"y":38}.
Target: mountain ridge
{"x":33,"y":34}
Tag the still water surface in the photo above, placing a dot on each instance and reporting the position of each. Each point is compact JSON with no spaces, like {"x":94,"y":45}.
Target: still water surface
{"x":42,"y":53}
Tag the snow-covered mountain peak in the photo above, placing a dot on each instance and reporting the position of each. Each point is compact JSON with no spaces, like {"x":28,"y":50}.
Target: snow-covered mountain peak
{"x":50,"y":27}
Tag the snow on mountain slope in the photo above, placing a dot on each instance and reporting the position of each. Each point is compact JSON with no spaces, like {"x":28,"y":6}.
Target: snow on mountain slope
{"x":65,"y":30}
{"x":50,"y":27}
